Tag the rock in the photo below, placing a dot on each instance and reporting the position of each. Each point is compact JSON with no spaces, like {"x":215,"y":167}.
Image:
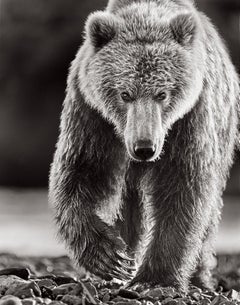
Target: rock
{"x":180,"y":302}
{"x":7,"y":281}
{"x":29,"y":301}
{"x":47,"y":301}
{"x":194,"y":289}
{"x":104,"y":290}
{"x":49,"y":283}
{"x":169,"y":301}
{"x":71,"y":300}
{"x":25,"y":290}
{"x":131,"y":302}
{"x":196,"y":296}
{"x":120,"y":299}
{"x":59,"y":297}
{"x":114,"y":292}
{"x":161,"y":292}
{"x":204,"y":302}
{"x":90,"y":288}
{"x":46,"y":292}
{"x":38,"y":300}
{"x":10,"y":300}
{"x":206,"y":296}
{"x":212,"y":294}
{"x":146,"y":302}
{"x":77,"y":291}
{"x":147,"y":298}
{"x":155,"y":293}
{"x":106,"y":297}
{"x":219,"y":299}
{"x":56,"y":303}
{"x":60,"y":280}
{"x":23,"y":273}
{"x":64,"y":289}
{"x":125,"y":293}
{"x":233,"y":295}
{"x":157,"y":303}
{"x":47,"y":276}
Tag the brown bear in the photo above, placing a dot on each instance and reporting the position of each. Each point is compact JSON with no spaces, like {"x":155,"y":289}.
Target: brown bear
{"x":148,"y":132}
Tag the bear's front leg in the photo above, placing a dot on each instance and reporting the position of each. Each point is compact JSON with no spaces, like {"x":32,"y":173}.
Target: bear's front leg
{"x":179,"y":210}
{"x":81,"y":202}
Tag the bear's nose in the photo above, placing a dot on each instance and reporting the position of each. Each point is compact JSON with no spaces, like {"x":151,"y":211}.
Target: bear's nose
{"x":144,"y":149}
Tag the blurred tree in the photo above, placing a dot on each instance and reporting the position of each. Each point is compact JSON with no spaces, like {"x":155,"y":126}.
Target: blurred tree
{"x":39,"y":38}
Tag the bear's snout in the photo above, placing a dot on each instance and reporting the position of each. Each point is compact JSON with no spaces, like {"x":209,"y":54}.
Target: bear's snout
{"x":144,"y":149}
{"x":144,"y":133}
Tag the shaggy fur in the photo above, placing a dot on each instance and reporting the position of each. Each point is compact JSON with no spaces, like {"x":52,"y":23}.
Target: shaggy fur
{"x":164,"y":213}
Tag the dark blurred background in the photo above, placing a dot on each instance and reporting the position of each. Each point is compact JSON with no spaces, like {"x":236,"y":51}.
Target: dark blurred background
{"x":38,"y":40}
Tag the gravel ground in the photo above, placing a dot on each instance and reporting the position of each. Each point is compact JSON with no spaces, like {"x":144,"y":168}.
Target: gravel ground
{"x":54,"y":281}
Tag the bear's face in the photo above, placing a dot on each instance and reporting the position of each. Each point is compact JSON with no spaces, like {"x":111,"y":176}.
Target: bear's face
{"x":141,"y":86}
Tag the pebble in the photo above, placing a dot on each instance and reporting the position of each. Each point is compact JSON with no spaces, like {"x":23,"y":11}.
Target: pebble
{"x":90,"y":288}
{"x":7,"y":281}
{"x":181,"y":302}
{"x":71,"y":300}
{"x":131,"y":302}
{"x":47,"y":276}
{"x":196,"y":296}
{"x":25,"y":290}
{"x":23,"y":273}
{"x":120,"y":299}
{"x":169,"y":301}
{"x":205,"y":302}
{"x":59,"y":297}
{"x":64,"y":289}
{"x":39,"y":300}
{"x":106,"y":297}
{"x":194,"y":289}
{"x":206,"y":295}
{"x":144,"y":302}
{"x":29,"y":301}
{"x":219,"y":299}
{"x":153,"y":293}
{"x":161,"y":292}
{"x":114,"y":292}
{"x":60,"y":280}
{"x":49,"y":283}
{"x":10,"y":300}
{"x":56,"y":303}
{"x":233,"y":295}
{"x":147,"y":298}
{"x":125,"y":293}
{"x":46,"y":292}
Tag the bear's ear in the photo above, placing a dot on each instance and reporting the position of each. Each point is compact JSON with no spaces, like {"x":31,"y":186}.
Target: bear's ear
{"x":101,"y":27}
{"x":184,"y":29}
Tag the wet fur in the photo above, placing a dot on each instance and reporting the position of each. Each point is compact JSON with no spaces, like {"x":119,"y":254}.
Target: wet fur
{"x":168,"y":211}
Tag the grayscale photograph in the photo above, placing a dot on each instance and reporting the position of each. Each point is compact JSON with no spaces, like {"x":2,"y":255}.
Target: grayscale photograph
{"x":119,"y":152}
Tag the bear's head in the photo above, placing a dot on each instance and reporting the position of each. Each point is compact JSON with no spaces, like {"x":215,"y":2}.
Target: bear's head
{"x":142,"y":74}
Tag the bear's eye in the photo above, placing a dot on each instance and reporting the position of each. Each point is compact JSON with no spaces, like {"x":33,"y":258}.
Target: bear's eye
{"x":126,"y":97}
{"x":161,"y":96}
